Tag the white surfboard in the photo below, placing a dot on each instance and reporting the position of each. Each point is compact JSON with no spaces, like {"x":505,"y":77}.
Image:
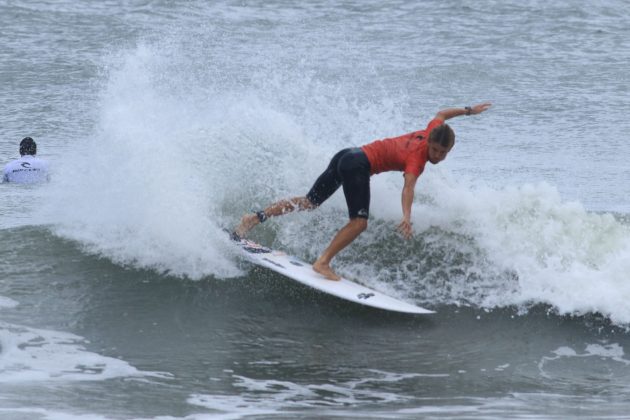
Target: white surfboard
{"x":302,"y":272}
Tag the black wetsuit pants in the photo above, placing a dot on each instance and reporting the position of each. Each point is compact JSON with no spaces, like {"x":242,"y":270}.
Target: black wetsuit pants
{"x":350,"y":168}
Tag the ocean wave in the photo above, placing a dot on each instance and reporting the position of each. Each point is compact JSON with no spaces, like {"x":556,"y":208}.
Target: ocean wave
{"x":170,"y":166}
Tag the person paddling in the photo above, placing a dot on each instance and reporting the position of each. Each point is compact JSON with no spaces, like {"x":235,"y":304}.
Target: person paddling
{"x":352,"y":169}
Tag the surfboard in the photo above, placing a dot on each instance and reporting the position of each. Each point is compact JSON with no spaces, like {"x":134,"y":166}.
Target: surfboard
{"x":302,"y":272}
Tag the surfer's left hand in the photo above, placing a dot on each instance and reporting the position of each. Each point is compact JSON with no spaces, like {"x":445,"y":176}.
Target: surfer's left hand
{"x":479,"y":108}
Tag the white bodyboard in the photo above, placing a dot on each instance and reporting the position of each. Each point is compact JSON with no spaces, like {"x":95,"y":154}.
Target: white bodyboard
{"x":302,"y":272}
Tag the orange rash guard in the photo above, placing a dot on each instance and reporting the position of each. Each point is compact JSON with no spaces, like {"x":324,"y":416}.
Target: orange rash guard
{"x":407,"y":153}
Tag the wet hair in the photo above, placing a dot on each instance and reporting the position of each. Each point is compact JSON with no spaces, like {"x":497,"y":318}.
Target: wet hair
{"x":443,"y":135}
{"x":28,"y":146}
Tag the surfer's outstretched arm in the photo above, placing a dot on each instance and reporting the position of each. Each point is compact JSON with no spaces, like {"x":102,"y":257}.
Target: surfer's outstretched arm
{"x":449,"y":113}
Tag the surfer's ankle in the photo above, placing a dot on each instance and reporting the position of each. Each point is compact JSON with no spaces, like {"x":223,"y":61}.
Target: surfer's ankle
{"x":325,"y":270}
{"x":261,"y":215}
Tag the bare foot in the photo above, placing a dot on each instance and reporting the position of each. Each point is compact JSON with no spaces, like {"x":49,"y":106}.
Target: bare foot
{"x":325,"y":270}
{"x":247,"y":223}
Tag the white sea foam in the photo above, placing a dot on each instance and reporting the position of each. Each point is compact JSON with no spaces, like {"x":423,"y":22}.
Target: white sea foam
{"x":561,"y":254}
{"x":597,"y":360}
{"x":44,"y":414}
{"x":269,"y":396}
{"x":29,"y":354}
{"x":6,"y":302}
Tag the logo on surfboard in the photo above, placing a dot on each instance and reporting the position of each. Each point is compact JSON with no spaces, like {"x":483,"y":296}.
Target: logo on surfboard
{"x":365,"y":295}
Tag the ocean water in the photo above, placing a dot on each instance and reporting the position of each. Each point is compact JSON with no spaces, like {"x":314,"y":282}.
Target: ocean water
{"x":163,"y":121}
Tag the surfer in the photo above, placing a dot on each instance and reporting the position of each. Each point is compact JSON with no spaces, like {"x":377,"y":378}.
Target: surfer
{"x":352,"y":168}
{"x":28,"y":169}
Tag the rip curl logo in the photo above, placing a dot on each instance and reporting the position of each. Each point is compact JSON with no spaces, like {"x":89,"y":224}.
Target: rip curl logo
{"x":365,"y":295}
{"x":27,"y":168}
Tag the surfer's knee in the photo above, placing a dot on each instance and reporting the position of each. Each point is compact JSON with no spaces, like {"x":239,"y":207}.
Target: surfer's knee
{"x":359,"y":224}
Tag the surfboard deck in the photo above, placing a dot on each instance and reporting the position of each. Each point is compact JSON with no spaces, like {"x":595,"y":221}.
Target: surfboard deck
{"x":302,"y":272}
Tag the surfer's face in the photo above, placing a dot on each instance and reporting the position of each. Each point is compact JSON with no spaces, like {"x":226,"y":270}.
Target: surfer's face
{"x":437,"y":152}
